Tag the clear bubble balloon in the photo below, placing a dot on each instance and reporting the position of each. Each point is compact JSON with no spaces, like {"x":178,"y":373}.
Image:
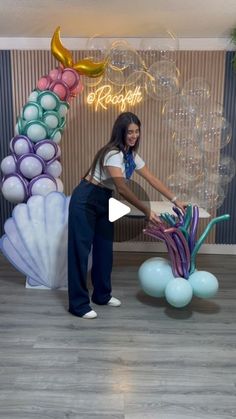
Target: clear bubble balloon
{"x":178,"y":115}
{"x":197,"y":90}
{"x":191,"y":163}
{"x":224,"y":169}
{"x":214,"y":132}
{"x":98,"y":47}
{"x":163,"y":83}
{"x":137,"y":82}
{"x":178,"y":185}
{"x":208,"y":195}
{"x":185,"y":139}
{"x":165,"y":42}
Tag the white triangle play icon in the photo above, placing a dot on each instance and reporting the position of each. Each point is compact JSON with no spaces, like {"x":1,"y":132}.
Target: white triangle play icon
{"x":117,"y":209}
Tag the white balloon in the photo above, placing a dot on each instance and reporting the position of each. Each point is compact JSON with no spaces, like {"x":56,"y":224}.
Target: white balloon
{"x":43,"y":186}
{"x":60,"y":186}
{"x":54,"y":169}
{"x":8,"y":165}
{"x":30,"y":167}
{"x":21,"y":146}
{"x":13,"y":189}
{"x":46,"y":151}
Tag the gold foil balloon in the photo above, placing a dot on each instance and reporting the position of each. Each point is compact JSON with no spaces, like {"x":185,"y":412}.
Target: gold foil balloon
{"x":61,"y":53}
{"x":86,"y":67}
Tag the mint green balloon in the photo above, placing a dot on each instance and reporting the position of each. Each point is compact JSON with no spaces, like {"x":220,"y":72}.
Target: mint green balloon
{"x":154,"y":275}
{"x":205,"y":284}
{"x":179,"y":292}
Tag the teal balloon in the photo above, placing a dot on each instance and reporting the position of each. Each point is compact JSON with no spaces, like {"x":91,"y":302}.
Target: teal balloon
{"x":205,"y":284}
{"x":179,"y":292}
{"x":154,"y":275}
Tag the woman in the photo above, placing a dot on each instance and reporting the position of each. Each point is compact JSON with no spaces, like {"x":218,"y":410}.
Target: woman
{"x":88,"y":214}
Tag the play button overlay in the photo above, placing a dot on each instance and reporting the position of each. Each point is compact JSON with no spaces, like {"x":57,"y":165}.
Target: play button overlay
{"x":126,"y":224}
{"x":117,"y":210}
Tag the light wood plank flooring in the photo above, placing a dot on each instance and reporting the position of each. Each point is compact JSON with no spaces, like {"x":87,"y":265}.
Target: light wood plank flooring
{"x":143,"y":360}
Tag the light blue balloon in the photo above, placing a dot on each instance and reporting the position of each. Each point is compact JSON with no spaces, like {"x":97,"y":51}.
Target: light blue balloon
{"x":178,"y":292}
{"x":205,"y":284}
{"x":154,"y":275}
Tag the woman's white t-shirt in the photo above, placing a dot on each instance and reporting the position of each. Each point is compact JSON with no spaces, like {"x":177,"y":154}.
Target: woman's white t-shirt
{"x":114,"y":158}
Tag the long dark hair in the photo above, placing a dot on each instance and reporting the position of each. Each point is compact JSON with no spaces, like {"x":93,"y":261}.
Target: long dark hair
{"x":117,"y":140}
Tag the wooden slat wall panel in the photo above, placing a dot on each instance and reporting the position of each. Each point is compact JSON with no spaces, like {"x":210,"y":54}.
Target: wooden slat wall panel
{"x":88,"y":130}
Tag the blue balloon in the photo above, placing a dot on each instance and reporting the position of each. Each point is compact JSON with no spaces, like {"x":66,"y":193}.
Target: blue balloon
{"x":179,"y":292}
{"x":205,"y":284}
{"x":154,"y":275}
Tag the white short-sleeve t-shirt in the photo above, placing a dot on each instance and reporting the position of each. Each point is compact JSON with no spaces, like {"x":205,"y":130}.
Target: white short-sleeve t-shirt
{"x":114,"y":158}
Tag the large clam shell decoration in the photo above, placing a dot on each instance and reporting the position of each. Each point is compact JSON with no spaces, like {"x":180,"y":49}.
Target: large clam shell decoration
{"x":35,"y":239}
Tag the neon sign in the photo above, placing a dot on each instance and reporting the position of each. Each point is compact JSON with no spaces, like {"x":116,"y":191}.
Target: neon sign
{"x":103,"y":96}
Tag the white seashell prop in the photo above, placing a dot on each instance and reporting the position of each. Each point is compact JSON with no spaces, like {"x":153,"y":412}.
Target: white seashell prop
{"x":35,"y":240}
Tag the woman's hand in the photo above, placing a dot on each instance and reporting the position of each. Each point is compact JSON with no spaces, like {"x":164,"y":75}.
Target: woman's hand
{"x":181,"y":205}
{"x":152,"y":217}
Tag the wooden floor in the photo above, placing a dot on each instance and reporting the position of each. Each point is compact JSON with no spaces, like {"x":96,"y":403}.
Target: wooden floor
{"x":143,"y":360}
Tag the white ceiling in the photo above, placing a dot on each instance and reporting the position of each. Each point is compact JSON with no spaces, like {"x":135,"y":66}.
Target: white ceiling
{"x":117,"y":18}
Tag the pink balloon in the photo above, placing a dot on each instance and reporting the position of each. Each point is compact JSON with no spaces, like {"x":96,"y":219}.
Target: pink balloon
{"x":77,"y":90}
{"x":70,"y":77}
{"x":56,"y":73}
{"x":43,"y":83}
{"x":60,"y":89}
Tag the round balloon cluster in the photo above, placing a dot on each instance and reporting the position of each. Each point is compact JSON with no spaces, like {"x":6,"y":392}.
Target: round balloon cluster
{"x":34,"y":166}
{"x":178,"y":278}
{"x":199,"y":132}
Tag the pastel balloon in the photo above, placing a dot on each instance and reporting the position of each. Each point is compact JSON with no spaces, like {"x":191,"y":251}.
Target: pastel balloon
{"x":48,"y":100}
{"x":46,"y":149}
{"x":31,"y":111}
{"x":60,"y":89}
{"x":154,"y":275}
{"x":33,"y":96}
{"x":20,"y":144}
{"x":60,"y":186}
{"x":30,"y":165}
{"x":54,"y":168}
{"x":8,"y":165}
{"x":55,"y":73}
{"x":14,"y":189}
{"x":70,"y":77}
{"x":43,"y":83}
{"x":36,"y":131}
{"x":178,"y":292}
{"x":63,"y":109}
{"x":204,"y":284}
{"x":56,"y":135}
{"x":51,"y":119}
{"x":42,"y":185}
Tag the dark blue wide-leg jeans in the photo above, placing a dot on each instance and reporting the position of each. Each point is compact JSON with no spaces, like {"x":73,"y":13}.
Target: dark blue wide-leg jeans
{"x":89,"y":225}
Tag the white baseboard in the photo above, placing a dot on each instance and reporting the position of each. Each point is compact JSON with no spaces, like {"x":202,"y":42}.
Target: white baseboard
{"x":217,"y":249}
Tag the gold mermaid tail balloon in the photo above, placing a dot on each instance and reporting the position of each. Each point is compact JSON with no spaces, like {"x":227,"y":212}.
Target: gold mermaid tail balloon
{"x":85,"y":67}
{"x":61,"y":53}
